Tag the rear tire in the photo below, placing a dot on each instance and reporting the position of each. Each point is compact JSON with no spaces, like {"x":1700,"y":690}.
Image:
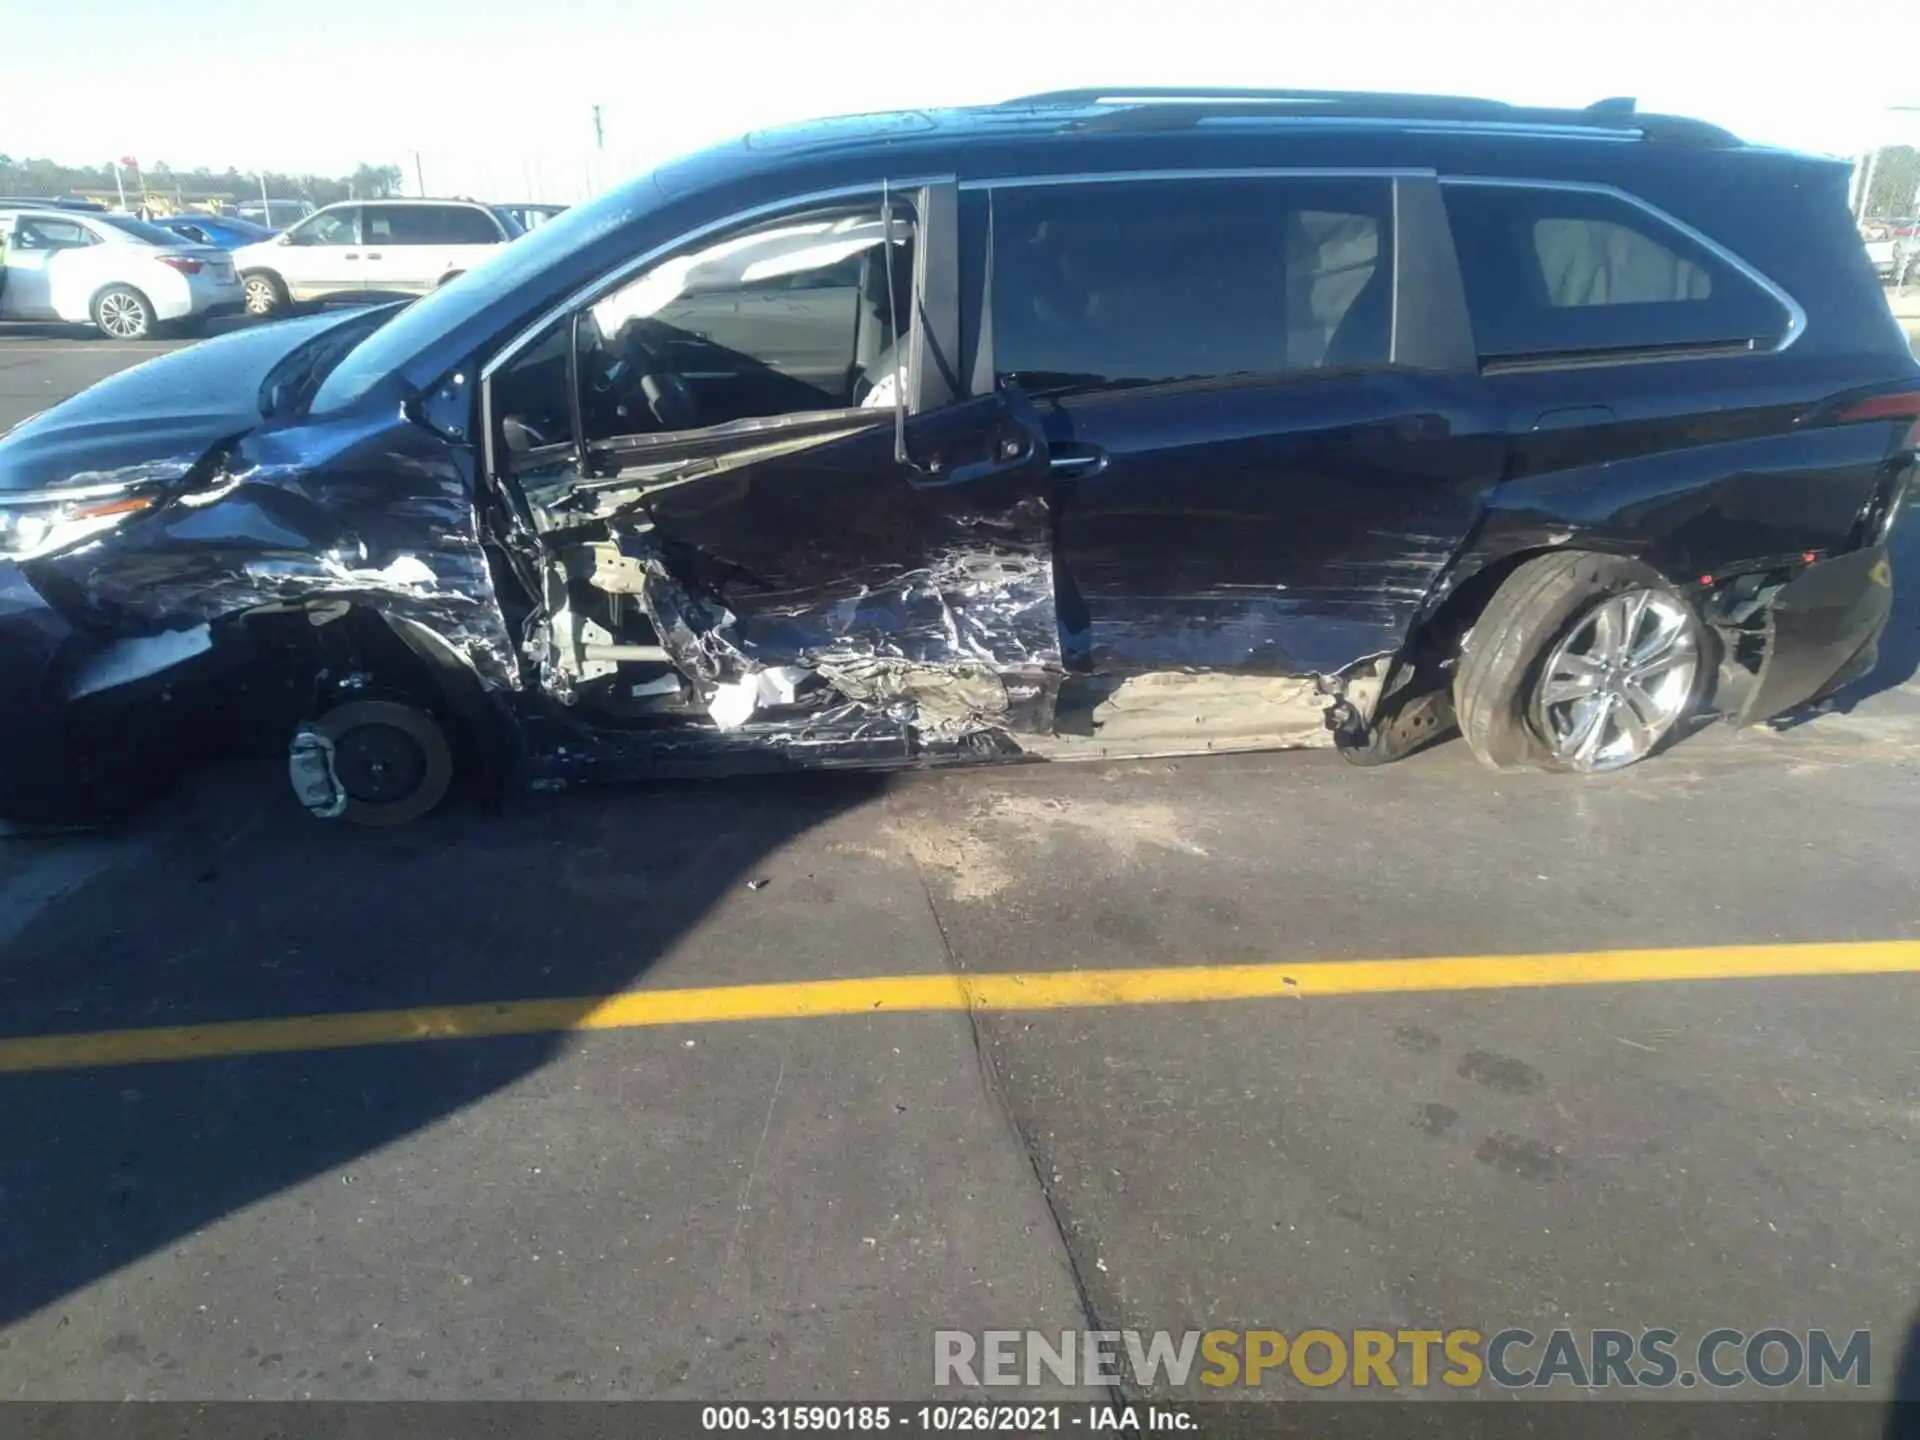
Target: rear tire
{"x":265,"y":292}
{"x":121,"y":312}
{"x":1556,"y":613}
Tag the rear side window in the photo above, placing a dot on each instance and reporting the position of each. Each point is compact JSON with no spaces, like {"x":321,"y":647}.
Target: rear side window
{"x":43,"y":234}
{"x":429,"y":225}
{"x":1143,"y":282}
{"x":1552,"y":272}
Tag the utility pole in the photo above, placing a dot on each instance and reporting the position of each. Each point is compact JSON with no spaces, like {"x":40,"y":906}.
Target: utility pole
{"x":599,"y":131}
{"x":419,"y":175}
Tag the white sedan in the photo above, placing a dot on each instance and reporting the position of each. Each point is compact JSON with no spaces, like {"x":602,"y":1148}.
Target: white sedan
{"x":117,"y":273}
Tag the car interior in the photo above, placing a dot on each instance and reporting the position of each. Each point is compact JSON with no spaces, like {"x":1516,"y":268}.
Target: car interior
{"x":799,"y":322}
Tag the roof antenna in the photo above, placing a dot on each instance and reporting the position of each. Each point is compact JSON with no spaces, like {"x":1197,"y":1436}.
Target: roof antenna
{"x":900,"y":456}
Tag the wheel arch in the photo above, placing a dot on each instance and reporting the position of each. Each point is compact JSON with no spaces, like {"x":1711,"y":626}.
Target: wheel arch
{"x":1467,"y":584}
{"x":268,"y":273}
{"x":93,"y":296}
{"x":483,"y":718}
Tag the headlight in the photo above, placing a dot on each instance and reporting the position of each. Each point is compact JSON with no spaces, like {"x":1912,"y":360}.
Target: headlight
{"x":39,"y":522}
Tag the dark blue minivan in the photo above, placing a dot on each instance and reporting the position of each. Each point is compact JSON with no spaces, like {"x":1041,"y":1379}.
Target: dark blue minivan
{"x":1090,"y":424}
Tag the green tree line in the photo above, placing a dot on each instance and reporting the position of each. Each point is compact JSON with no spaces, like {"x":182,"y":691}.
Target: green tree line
{"x":1896,"y":176}
{"x":47,"y":177}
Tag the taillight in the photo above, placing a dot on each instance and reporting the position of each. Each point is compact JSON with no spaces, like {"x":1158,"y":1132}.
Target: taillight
{"x":1901,"y":405}
{"x":185,"y":264}
{"x":1897,"y":405}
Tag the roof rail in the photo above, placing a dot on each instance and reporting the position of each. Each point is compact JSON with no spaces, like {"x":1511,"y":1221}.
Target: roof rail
{"x":1096,"y":94}
{"x":1175,"y":105}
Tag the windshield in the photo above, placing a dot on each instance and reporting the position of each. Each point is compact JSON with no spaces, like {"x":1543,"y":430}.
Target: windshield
{"x":138,"y":229}
{"x":461,"y":300}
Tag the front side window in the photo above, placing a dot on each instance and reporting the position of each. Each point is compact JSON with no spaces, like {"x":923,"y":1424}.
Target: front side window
{"x":792,"y":317}
{"x":1561,"y":271}
{"x":329,"y":227}
{"x":1147,"y":282}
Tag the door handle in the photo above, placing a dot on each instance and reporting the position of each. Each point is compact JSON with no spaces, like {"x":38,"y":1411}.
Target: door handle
{"x":1072,"y":459}
{"x":351,"y":255}
{"x":1574,"y":417}
{"x":1011,"y":454}
{"x":373,"y":255}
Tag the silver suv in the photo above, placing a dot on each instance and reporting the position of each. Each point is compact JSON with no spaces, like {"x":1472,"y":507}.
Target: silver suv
{"x":366,"y":249}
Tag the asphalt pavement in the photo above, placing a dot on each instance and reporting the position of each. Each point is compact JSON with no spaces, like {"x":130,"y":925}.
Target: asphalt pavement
{"x":783,"y":1188}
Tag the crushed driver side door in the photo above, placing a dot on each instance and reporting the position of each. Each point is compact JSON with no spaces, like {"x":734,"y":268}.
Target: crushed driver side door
{"x":910,"y":570}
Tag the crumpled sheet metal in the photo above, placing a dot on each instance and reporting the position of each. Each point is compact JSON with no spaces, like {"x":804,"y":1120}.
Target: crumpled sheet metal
{"x":400,"y":535}
{"x":984,"y":607}
{"x":926,"y":648}
{"x":692,"y":630}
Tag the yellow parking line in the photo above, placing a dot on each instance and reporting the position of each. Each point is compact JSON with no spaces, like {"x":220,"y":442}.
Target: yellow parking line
{"x":986,"y":993}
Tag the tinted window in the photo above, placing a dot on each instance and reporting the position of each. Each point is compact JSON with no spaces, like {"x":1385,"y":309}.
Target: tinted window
{"x":138,"y":229}
{"x":1140,"y":282}
{"x":430,"y":225}
{"x":186,"y":231}
{"x":1552,"y":271}
{"x":783,"y":319}
{"x":43,"y":234}
{"x":329,"y":227}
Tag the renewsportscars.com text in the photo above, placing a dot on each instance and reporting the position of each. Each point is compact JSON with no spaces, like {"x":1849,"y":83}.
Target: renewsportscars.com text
{"x":1653,"y":1357}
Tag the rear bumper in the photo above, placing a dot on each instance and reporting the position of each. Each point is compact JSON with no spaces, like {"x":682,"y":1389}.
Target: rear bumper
{"x":1825,"y":630}
{"x":202,"y":298}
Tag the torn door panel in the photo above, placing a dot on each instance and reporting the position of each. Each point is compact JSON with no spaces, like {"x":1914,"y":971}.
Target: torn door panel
{"x":927,"y":586}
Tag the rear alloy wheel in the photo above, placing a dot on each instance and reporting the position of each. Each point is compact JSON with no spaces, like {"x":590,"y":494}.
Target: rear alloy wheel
{"x":264,"y":294}
{"x":387,"y":763}
{"x":1619,"y":682}
{"x":123,"y":312}
{"x":1579,"y":662}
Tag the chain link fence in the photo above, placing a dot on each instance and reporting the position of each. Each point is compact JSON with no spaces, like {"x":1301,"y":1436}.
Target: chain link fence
{"x":548,"y":176}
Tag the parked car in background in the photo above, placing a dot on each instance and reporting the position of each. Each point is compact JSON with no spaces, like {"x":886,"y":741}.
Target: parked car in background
{"x":361,"y":250}
{"x":274,"y":214}
{"x":1883,"y":251}
{"x":122,"y":275}
{"x":529,"y":216}
{"x":228,"y":232}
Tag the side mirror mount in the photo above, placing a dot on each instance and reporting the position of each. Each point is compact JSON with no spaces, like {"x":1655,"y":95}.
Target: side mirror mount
{"x":285,"y":237}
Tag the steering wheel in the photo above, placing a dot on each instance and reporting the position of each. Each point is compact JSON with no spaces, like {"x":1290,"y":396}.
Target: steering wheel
{"x":670,"y":399}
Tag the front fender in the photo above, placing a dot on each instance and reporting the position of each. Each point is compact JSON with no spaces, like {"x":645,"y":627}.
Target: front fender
{"x":373,"y":512}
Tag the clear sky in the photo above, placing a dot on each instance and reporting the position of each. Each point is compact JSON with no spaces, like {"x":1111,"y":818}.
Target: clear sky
{"x":322,"y":85}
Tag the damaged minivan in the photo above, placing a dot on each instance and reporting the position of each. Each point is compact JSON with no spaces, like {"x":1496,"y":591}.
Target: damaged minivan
{"x":1093,"y":424}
